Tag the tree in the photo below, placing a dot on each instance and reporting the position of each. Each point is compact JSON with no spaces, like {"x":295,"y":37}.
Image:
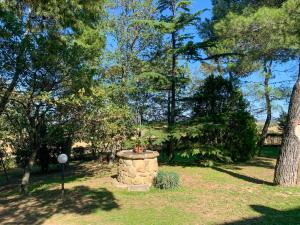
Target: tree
{"x":58,"y":44}
{"x":222,"y":7}
{"x":287,"y":165}
{"x":221,"y":128}
{"x":246,"y":63}
{"x":175,"y":17}
{"x":106,"y":123}
{"x":278,"y":34}
{"x":216,"y":96}
{"x":129,"y":59}
{"x":5,"y":140}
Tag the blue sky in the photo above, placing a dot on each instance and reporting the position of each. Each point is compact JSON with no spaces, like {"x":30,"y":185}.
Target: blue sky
{"x":203,"y":4}
{"x":284,"y":73}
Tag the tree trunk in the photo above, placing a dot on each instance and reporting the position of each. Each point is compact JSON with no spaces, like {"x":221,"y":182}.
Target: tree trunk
{"x":27,"y":170}
{"x":287,"y":166}
{"x":94,"y":152}
{"x":4,"y":168}
{"x":264,"y":132}
{"x":36,"y":144}
{"x":173,"y":83}
{"x":172,"y":98}
{"x":111,"y":157}
{"x":169,"y":107}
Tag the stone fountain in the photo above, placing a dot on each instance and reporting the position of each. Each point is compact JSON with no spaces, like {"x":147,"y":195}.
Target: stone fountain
{"x":136,"y":171}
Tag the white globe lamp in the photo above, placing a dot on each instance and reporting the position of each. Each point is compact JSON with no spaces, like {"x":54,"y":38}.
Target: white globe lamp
{"x":62,"y":159}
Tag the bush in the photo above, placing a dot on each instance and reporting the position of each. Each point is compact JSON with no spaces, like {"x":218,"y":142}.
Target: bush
{"x":240,"y":141}
{"x":282,"y":121}
{"x":166,"y":180}
{"x":222,"y":130}
{"x":79,"y":153}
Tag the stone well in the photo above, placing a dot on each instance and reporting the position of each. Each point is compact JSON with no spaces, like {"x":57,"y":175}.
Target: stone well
{"x":137,"y":168}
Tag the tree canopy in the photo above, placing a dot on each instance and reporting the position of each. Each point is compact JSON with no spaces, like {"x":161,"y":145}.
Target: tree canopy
{"x":115,"y":74}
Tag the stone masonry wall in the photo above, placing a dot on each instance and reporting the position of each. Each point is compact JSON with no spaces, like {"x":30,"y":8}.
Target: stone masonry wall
{"x":137,"y":171}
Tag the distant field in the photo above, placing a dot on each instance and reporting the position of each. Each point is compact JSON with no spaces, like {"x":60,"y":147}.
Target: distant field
{"x":272,"y":129}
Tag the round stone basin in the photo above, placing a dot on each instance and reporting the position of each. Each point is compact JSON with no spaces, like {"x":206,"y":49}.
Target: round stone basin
{"x":137,"y":168}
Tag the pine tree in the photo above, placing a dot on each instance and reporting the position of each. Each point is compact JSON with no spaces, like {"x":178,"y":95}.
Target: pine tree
{"x":249,"y":62}
{"x":274,"y":30}
{"x":175,"y":16}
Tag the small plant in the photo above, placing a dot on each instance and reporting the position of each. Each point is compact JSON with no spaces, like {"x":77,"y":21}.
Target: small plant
{"x":138,"y":146}
{"x":139,"y":143}
{"x":166,"y":180}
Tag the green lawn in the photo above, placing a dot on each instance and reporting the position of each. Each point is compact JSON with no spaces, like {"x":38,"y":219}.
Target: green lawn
{"x":228,"y":194}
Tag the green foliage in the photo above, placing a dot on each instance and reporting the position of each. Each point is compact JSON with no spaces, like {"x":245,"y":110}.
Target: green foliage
{"x":131,"y":64}
{"x":79,"y":153}
{"x":241,"y":138}
{"x":222,"y":129}
{"x":232,"y":138}
{"x":216,"y":96}
{"x":51,"y":51}
{"x":106,"y":123}
{"x":204,"y":155}
{"x":222,"y":7}
{"x":270,"y":152}
{"x":268,"y":30}
{"x":282,"y":121}
{"x":153,"y":137}
{"x":166,"y":180}
{"x":58,"y":86}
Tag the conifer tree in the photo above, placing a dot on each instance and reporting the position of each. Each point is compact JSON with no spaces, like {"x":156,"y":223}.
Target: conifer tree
{"x":275,"y":30}
{"x":175,"y":16}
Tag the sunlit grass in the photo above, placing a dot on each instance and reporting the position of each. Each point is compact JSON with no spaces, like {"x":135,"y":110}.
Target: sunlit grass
{"x":232,"y":194}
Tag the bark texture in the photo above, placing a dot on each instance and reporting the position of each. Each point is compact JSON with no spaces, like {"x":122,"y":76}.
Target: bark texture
{"x":36,"y":145}
{"x":287,"y":166}
{"x":26,"y":175}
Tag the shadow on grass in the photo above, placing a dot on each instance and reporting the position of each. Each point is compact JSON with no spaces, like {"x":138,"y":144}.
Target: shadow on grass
{"x":178,"y":160}
{"x":270,"y":216}
{"x":259,"y":162}
{"x":242,"y":177}
{"x":266,"y":160}
{"x":36,"y":208}
{"x":181,"y":164}
{"x":76,"y":170}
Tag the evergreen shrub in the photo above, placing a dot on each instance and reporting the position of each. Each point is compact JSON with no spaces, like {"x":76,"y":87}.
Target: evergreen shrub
{"x":166,"y":180}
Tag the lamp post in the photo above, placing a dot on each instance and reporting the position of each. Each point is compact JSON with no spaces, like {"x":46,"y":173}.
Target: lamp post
{"x":62,"y":159}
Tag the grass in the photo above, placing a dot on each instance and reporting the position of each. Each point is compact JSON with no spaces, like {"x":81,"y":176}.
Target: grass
{"x":270,"y":152}
{"x":228,"y":194}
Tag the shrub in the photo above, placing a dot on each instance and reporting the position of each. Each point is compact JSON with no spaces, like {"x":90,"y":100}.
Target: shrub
{"x":222,"y":129}
{"x":166,"y":180}
{"x":282,"y":121}
{"x":79,"y":153}
{"x":240,"y":140}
